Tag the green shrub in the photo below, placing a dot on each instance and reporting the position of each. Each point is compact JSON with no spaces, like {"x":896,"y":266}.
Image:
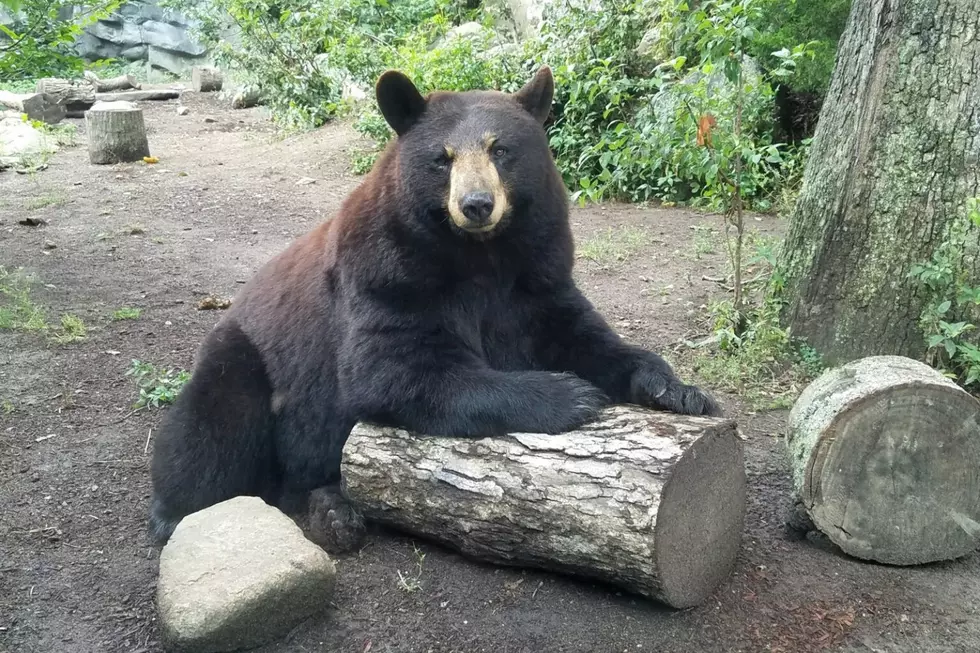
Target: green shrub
{"x":39,"y":44}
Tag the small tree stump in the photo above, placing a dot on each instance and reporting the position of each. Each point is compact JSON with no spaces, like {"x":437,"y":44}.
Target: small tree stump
{"x":116,"y":133}
{"x":885,"y":453}
{"x":649,"y":501}
{"x":205,"y":79}
{"x":77,"y":95}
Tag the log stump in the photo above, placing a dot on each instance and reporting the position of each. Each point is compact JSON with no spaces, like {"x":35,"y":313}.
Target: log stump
{"x":116,"y":133}
{"x":886,"y":461}
{"x":205,"y":79}
{"x":649,"y":501}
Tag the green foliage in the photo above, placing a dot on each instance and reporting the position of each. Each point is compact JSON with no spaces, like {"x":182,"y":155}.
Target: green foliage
{"x":18,"y":311}
{"x":613,"y":246}
{"x":72,"y":330}
{"x":126,"y":314}
{"x":157,"y":386}
{"x":952,"y":308}
{"x":818,"y":23}
{"x":753,"y":355}
{"x":40,"y":43}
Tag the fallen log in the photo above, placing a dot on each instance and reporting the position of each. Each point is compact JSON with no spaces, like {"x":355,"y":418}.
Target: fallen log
{"x":885,"y":452}
{"x":77,"y":95}
{"x":116,"y":133}
{"x":119,"y":83}
{"x":37,"y":106}
{"x":246,"y":98}
{"x":138,"y":96}
{"x":205,"y":79}
{"x":649,"y":501}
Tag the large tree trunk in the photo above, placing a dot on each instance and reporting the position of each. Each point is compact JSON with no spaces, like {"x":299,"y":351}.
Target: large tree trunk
{"x":894,"y":157}
{"x":649,"y":501}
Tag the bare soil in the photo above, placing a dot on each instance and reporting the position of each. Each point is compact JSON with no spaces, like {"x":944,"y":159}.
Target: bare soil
{"x":77,"y":573}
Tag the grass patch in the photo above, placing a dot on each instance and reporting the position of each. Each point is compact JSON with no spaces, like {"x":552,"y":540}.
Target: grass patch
{"x":126,"y":314}
{"x":157,"y":386}
{"x":616,"y":245}
{"x":704,"y":240}
{"x":72,"y":330}
{"x":17,"y":310}
{"x":412,"y":583}
{"x":42,"y":201}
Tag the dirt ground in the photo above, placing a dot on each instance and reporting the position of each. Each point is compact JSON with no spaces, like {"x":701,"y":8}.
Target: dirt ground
{"x":77,"y":573}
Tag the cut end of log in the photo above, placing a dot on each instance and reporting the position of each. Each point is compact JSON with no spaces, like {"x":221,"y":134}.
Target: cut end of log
{"x":886,"y":453}
{"x":649,"y":501}
{"x":700,"y":520}
{"x":206,"y":79}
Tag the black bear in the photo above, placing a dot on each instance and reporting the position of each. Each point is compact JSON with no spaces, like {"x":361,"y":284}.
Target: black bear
{"x":440,"y":299}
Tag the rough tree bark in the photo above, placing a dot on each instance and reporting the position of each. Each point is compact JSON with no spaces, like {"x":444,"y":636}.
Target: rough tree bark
{"x":894,"y":157}
{"x":77,"y":95}
{"x":116,"y":133}
{"x":885,"y":453}
{"x":652,"y":502}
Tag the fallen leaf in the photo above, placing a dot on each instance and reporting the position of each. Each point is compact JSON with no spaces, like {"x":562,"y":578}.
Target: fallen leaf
{"x":150,"y":159}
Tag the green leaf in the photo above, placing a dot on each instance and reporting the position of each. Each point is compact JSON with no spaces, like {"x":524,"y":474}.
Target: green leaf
{"x":944,"y":307}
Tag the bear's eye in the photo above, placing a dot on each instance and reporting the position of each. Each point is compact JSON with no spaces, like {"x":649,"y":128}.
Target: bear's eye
{"x":499,"y":151}
{"x":442,"y":161}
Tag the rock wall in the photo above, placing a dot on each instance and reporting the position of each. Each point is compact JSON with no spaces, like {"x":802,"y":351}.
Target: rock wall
{"x":143,"y":31}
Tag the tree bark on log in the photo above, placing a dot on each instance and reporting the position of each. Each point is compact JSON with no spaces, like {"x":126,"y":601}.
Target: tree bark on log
{"x":116,"y":133}
{"x":649,"y":501}
{"x":76,"y":95}
{"x":119,"y":83}
{"x":138,"y":96}
{"x":37,"y":106}
{"x":205,"y":79}
{"x":885,"y":453}
{"x":895,"y":155}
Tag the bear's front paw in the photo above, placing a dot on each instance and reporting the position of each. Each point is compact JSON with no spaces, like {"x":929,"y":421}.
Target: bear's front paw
{"x":650,"y":387}
{"x":334,"y":524}
{"x":572,"y":402}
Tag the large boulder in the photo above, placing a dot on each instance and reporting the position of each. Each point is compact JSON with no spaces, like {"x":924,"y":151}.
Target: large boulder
{"x":19,"y":141}
{"x":143,"y":31}
{"x":174,"y":62}
{"x":170,"y":37}
{"x":237,"y":575}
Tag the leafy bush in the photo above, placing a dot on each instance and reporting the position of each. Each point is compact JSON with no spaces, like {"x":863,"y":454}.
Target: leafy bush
{"x":157,"y":386}
{"x":818,"y":23}
{"x":39,"y":44}
{"x":952,"y":310}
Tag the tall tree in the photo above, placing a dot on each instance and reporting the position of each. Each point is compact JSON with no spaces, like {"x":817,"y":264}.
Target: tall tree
{"x":893,"y":161}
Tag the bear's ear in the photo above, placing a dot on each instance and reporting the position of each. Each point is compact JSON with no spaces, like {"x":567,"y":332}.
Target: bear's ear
{"x":537,"y":94}
{"x":400,"y":102}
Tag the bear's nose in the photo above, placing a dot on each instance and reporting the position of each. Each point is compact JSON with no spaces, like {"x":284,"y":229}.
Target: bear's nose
{"x":477,"y":206}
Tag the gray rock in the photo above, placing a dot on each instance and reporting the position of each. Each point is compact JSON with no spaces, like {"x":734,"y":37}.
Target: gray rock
{"x":174,"y":62}
{"x":140,"y":11}
{"x":237,"y":575}
{"x":92,"y":47}
{"x":135,"y":53}
{"x":170,"y":37}
{"x":124,"y":34}
{"x":19,"y":139}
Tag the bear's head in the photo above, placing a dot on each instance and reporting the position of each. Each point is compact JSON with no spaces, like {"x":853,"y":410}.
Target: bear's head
{"x":474,"y":161}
